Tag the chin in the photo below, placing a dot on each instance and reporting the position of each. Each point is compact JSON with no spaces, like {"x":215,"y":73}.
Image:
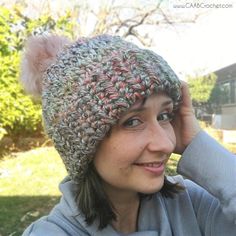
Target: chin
{"x":153,"y":189}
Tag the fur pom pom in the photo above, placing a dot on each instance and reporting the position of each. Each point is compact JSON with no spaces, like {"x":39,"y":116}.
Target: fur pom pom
{"x":40,"y":53}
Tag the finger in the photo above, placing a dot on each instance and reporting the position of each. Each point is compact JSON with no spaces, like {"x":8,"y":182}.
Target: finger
{"x":186,"y":98}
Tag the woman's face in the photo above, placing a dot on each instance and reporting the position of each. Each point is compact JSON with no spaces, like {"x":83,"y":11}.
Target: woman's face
{"x":133,"y":157}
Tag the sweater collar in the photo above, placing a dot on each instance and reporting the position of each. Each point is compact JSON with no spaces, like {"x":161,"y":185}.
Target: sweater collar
{"x":152,"y":214}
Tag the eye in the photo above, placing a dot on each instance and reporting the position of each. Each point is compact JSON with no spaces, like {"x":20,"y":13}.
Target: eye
{"x":132,"y":122}
{"x":165,"y":117}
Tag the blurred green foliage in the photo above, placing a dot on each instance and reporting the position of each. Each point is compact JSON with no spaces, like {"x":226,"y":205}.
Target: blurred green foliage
{"x":205,"y":92}
{"x":19,"y":114}
{"x":201,"y":87}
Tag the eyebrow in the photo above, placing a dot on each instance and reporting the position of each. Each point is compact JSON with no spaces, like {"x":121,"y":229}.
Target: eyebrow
{"x":142,"y":108}
{"x":136,"y":110}
{"x":166,"y":103}
{"x":139,"y":108}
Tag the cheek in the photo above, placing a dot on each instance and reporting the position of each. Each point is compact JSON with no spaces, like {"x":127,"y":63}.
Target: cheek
{"x":119,"y":152}
{"x":171,"y":134}
{"x":127,"y":150}
{"x":108,"y":156}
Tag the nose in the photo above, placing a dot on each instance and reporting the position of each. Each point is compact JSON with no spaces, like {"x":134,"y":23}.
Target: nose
{"x":161,"y":138}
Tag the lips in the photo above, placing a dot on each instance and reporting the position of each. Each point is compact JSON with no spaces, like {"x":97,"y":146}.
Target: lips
{"x":150,"y":164}
{"x":156,"y":168}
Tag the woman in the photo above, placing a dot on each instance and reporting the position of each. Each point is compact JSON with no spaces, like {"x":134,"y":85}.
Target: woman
{"x":115,"y":113}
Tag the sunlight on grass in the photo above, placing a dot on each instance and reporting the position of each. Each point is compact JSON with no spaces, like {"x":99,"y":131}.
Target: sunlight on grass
{"x":28,"y":188}
{"x":33,"y":173}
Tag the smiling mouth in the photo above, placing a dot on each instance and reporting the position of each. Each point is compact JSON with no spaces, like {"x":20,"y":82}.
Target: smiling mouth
{"x":151,"y":164}
{"x":156,"y":168}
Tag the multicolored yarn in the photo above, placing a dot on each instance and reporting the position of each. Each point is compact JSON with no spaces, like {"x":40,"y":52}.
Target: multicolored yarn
{"x":90,"y":85}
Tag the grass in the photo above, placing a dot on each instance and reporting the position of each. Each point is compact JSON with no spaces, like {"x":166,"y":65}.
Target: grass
{"x":17,"y":212}
{"x":29,"y":187}
{"x":31,"y":173}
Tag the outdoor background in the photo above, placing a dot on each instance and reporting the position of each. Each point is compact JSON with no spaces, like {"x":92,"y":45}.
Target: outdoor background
{"x":196,"y":40}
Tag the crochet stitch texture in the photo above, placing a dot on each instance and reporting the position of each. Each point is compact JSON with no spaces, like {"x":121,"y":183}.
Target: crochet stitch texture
{"x":91,"y":84}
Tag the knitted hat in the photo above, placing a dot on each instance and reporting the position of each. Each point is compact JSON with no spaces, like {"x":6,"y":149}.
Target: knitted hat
{"x":87,"y":87}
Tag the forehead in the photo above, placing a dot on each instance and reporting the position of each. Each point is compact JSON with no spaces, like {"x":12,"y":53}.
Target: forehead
{"x":160,"y":99}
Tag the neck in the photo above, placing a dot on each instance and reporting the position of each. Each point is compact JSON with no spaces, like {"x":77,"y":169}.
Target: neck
{"x":127,"y":216}
{"x":126,"y":206}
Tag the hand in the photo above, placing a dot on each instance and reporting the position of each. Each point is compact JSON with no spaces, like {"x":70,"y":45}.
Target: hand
{"x":185,"y":123}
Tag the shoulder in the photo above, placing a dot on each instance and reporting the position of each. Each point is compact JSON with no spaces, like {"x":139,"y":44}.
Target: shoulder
{"x":44,"y":227}
{"x":193,"y":194}
{"x":56,"y":224}
{"x":192,"y":189}
{"x":195,"y":206}
{"x":192,"y":199}
{"x":49,"y":227}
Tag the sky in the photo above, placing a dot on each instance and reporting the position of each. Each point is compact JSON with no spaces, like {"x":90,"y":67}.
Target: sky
{"x":206,"y":46}
{"x":199,"y":48}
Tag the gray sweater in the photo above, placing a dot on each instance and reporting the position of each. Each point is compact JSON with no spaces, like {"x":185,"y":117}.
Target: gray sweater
{"x":206,"y":207}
